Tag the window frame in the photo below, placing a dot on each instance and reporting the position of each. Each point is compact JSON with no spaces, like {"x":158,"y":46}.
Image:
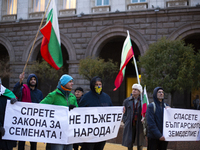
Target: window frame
{"x":71,"y":2}
{"x":35,"y":6}
{"x":11,"y":11}
{"x":102,"y":3}
{"x":138,"y":1}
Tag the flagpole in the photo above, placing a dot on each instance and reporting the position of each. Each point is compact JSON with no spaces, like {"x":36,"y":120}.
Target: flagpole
{"x":136,"y":70}
{"x":36,"y":37}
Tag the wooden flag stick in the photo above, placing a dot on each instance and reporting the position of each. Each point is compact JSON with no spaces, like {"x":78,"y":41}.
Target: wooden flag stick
{"x":36,"y":36}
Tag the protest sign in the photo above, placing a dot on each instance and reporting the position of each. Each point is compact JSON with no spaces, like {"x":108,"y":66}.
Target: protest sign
{"x":181,"y":124}
{"x":94,"y":124}
{"x":36,"y":122}
{"x":55,"y":124}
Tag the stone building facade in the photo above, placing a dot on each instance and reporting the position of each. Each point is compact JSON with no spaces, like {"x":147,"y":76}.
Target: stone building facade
{"x":90,"y":30}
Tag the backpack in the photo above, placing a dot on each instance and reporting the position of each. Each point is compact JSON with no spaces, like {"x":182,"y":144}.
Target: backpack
{"x":145,"y":121}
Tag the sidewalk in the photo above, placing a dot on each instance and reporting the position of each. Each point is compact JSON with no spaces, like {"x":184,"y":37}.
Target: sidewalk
{"x":108,"y":146}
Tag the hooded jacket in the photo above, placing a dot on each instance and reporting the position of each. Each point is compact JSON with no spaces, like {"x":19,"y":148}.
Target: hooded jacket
{"x":93,"y":99}
{"x":155,"y":120}
{"x":36,"y":95}
{"x":59,"y":96}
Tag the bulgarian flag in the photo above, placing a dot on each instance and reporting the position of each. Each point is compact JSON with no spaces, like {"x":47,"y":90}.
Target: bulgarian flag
{"x":6,"y":92}
{"x":127,"y":54}
{"x":145,"y":102}
{"x":51,"y":45}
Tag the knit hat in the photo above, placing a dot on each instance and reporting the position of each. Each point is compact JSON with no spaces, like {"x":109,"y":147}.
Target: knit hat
{"x":79,"y":88}
{"x":65,"y":79}
{"x":138,"y":87}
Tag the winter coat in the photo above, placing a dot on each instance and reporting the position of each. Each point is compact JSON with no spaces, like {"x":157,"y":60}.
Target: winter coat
{"x":93,"y":99}
{"x":4,"y":144}
{"x":128,"y":121}
{"x":36,"y":95}
{"x":155,"y":120}
{"x":58,"y":98}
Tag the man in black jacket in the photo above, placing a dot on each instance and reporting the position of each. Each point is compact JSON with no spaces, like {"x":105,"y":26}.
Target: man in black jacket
{"x":5,"y":94}
{"x":154,"y":114}
{"x":28,"y":93}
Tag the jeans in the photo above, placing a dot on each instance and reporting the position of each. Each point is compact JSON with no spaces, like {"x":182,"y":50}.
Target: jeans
{"x":61,"y":147}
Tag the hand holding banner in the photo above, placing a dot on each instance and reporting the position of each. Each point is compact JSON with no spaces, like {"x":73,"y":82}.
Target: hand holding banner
{"x":56,"y":124}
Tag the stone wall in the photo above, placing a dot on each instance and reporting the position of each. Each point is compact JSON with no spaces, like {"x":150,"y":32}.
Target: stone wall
{"x":83,"y":36}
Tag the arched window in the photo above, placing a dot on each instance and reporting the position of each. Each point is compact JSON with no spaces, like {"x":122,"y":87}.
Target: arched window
{"x":11,"y":7}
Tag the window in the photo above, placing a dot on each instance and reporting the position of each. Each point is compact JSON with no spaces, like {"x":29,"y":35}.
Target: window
{"x":102,"y":2}
{"x":69,"y":4}
{"x":38,"y":5}
{"x":137,"y":1}
{"x":11,"y":7}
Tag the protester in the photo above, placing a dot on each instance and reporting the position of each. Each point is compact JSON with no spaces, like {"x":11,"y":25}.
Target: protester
{"x":95,"y":98}
{"x":156,"y":140}
{"x":132,"y":119}
{"x":5,"y":94}
{"x":196,"y":102}
{"x":79,"y":94}
{"x":62,"y":96}
{"x":28,"y":93}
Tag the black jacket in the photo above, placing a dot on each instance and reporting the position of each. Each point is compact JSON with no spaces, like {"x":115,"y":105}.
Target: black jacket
{"x":155,"y":120}
{"x":4,"y":144}
{"x":36,"y":95}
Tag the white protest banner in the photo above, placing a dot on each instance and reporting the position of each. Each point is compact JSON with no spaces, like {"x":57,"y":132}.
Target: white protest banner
{"x":94,"y":124}
{"x":36,"y":122}
{"x":55,"y":124}
{"x":181,"y":124}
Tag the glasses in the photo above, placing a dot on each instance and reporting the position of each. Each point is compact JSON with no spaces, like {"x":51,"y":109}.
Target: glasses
{"x":161,"y":92}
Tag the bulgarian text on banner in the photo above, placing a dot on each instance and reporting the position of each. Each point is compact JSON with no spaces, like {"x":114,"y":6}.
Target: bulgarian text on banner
{"x":55,"y":124}
{"x":181,"y":124}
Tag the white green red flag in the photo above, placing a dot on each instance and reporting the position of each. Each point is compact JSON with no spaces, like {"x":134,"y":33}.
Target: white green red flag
{"x":6,"y":92}
{"x":145,"y":102}
{"x":127,"y":54}
{"x":51,"y":45}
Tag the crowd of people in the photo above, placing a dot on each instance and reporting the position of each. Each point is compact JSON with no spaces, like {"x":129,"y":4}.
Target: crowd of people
{"x":63,"y":96}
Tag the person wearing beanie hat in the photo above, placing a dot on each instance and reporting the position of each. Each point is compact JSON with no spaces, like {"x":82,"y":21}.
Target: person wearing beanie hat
{"x":79,"y":93}
{"x":133,"y":128}
{"x":154,"y":117}
{"x":62,"y":96}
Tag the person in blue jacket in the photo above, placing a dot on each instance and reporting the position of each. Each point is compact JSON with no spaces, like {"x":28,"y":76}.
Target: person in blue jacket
{"x":27,"y":93}
{"x":95,"y":98}
{"x":156,"y":140}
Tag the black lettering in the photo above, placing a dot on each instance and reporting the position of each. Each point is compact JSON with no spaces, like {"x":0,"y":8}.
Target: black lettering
{"x":22,"y":112}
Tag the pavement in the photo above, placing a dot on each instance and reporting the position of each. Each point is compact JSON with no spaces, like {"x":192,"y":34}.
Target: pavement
{"x":108,"y":146}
